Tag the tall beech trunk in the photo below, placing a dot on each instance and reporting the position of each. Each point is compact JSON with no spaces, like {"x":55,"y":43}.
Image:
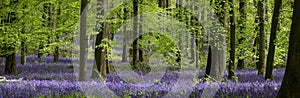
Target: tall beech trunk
{"x":99,"y":37}
{"x":270,"y":58}
{"x":83,"y":42}
{"x":232,"y":41}
{"x":179,"y":16}
{"x":193,"y":35}
{"x":10,"y":64}
{"x":56,"y":49}
{"x":23,"y":49}
{"x":141,"y":59}
{"x":290,"y":86}
{"x":261,"y":13}
{"x":217,"y":56}
{"x":124,"y":58}
{"x":101,"y":52}
{"x":208,"y":64}
{"x":256,"y":39}
{"x":41,"y":46}
{"x":241,"y":61}
{"x":135,"y":32}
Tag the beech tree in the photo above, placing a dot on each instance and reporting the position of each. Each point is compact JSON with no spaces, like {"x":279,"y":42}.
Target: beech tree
{"x":261,"y":13}
{"x":290,"y":86}
{"x":270,"y":58}
{"x":232,"y":41}
{"x":83,"y":41}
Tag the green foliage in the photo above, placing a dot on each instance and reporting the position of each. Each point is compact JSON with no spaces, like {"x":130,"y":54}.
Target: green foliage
{"x":39,"y":28}
{"x":31,"y":24}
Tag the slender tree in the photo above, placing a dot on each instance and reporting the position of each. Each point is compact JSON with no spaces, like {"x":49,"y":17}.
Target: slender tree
{"x":208,"y":63}
{"x":261,"y":13}
{"x":270,"y":58}
{"x":232,"y":40}
{"x":193,"y":34}
{"x":256,"y":39}
{"x":23,"y":42}
{"x":23,"y":47}
{"x":242,"y":5}
{"x":124,"y":58}
{"x":10,"y":64}
{"x":83,"y":41}
{"x":179,"y":16}
{"x":217,"y":56}
{"x":290,"y":86}
{"x":135,"y":32}
{"x":56,"y":19}
{"x":141,"y":59}
{"x":101,"y":51}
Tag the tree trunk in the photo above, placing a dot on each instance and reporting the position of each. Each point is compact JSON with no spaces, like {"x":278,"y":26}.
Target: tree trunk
{"x":1,"y":61}
{"x":99,"y":37}
{"x":179,"y":16}
{"x":256,"y":38}
{"x":135,"y":32}
{"x":193,"y":35}
{"x":270,"y":58}
{"x":241,"y":61}
{"x":100,"y":51}
{"x":232,"y":40}
{"x":40,"y":54}
{"x":217,"y":44}
{"x":208,"y":64}
{"x":50,"y":24}
{"x":290,"y":86}
{"x":56,"y":50}
{"x":261,"y":12}
{"x":83,"y":42}
{"x":124,"y":58}
{"x":23,"y":43}
{"x":141,"y":59}
{"x":23,"y":49}
{"x":10,"y":65}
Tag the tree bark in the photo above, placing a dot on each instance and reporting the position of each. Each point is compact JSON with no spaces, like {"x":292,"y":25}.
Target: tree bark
{"x":83,"y":42}
{"x":100,"y":51}
{"x":193,"y":34}
{"x":10,"y":65}
{"x":290,"y":86}
{"x":56,"y":49}
{"x":270,"y":58}
{"x":241,"y":61}
{"x":141,"y":59}
{"x":23,"y":49}
{"x":256,"y":39}
{"x":99,"y":28}
{"x":208,"y":64}
{"x":261,"y":12}
{"x":232,"y":41}
{"x":217,"y":43}
{"x":40,"y":54}
{"x":179,"y":16}
{"x":124,"y":58}
{"x":135,"y":32}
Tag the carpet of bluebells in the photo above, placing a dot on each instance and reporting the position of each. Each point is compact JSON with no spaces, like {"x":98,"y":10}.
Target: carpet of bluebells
{"x":46,"y":78}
